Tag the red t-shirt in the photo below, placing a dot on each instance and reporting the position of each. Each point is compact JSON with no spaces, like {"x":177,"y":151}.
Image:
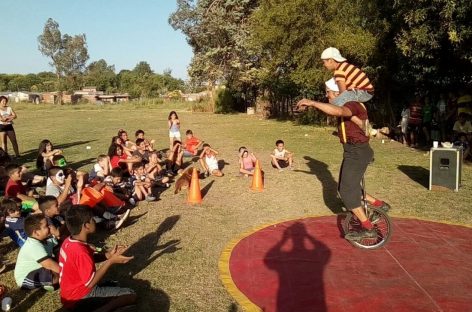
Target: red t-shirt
{"x":77,"y":271}
{"x":14,"y":188}
{"x":191,"y":144}
{"x":354,"y":134}
{"x":115,"y":160}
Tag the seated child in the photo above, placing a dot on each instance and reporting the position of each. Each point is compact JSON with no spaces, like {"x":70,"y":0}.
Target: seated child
{"x":280,"y":157}
{"x":126,"y":144}
{"x":141,"y":151}
{"x":121,"y":188}
{"x":103,"y":202}
{"x":101,"y":169}
{"x":209,"y":162}
{"x":16,"y":191}
{"x":247,"y":161}
{"x":149,"y":144}
{"x":174,"y":158}
{"x":120,"y":159}
{"x":50,"y":208}
{"x":192,"y":144}
{"x":154,"y":171}
{"x":80,"y":178}
{"x":35,"y":266}
{"x":14,"y":222}
{"x":80,"y":280}
{"x":45,"y":153}
{"x":142,"y":184}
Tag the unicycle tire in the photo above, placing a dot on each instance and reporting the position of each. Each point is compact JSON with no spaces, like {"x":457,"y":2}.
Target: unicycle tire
{"x":382,"y":224}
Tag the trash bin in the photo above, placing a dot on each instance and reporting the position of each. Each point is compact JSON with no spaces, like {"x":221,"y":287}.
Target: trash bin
{"x":445,"y":168}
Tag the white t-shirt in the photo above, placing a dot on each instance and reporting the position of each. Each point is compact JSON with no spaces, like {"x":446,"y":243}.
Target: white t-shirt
{"x":6,"y":113}
{"x":279,"y":154}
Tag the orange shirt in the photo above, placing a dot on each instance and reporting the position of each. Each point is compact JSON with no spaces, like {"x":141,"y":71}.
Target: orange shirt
{"x":191,"y":144}
{"x":354,"y":77}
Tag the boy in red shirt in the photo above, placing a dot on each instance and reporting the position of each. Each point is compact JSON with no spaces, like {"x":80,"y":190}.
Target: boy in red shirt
{"x":16,"y":191}
{"x":79,"y":279}
{"x":192,"y":144}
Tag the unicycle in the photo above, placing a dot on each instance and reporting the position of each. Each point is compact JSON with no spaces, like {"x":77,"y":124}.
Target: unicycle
{"x":379,"y":219}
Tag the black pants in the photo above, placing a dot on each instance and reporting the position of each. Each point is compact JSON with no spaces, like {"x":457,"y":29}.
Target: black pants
{"x":356,"y":158}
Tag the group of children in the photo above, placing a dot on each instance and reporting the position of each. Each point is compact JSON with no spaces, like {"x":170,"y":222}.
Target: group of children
{"x":50,"y":215}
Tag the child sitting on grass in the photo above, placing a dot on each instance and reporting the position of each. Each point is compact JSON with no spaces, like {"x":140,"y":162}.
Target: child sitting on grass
{"x":209,"y":162}
{"x":101,"y":169}
{"x":120,"y":159}
{"x":247,"y":162}
{"x":80,"y":280}
{"x":142,"y":184}
{"x":35,"y":266}
{"x":14,"y":222}
{"x":46,"y":152}
{"x":50,"y":208}
{"x":174,"y":158}
{"x":149,"y":144}
{"x":120,"y":187}
{"x":192,"y":144}
{"x":280,"y":157}
{"x":16,"y":191}
{"x":155,"y":172}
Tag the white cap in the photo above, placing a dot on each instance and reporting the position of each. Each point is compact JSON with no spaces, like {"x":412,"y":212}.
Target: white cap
{"x":332,"y":53}
{"x":331,"y":85}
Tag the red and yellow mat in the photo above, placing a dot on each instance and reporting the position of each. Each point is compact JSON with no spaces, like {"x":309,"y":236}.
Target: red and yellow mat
{"x":305,"y":265}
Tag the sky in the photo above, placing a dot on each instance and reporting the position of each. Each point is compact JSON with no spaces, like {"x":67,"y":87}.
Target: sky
{"x":122,"y":32}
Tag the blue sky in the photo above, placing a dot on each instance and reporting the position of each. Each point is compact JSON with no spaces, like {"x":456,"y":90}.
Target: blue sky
{"x":122,"y":32}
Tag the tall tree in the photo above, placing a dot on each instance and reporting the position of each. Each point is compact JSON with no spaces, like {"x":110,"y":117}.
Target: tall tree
{"x":68,"y":54}
{"x":216,"y":30}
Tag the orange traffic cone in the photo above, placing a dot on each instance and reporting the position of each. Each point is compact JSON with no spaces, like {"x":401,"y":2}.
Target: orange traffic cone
{"x":194,"y":195}
{"x":257,"y":182}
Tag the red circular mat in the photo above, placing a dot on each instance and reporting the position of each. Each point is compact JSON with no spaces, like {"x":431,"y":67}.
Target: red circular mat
{"x":305,"y":265}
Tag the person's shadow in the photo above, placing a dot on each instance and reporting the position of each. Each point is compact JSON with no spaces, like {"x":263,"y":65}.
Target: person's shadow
{"x":329,"y":185}
{"x":299,"y":260}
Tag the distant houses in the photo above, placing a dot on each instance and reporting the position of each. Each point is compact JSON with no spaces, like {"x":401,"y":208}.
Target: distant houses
{"x":87,"y":93}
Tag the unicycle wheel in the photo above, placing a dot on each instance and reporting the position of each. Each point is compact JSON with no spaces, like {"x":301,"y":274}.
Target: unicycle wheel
{"x":382,"y":224}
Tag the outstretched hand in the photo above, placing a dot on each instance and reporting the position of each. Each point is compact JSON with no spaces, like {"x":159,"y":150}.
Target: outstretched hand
{"x":116,"y":255}
{"x":303,"y":104}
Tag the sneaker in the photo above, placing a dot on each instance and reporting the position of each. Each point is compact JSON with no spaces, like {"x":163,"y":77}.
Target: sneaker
{"x":109,"y":216}
{"x":280,"y":170}
{"x":132,"y":201}
{"x":97,"y":219}
{"x":150,"y":198}
{"x":121,"y":219}
{"x":357,"y":236}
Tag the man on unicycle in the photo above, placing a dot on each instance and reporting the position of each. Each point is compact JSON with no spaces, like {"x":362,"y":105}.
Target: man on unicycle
{"x":356,"y":157}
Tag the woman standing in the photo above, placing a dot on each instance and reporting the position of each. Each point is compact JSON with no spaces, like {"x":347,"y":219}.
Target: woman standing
{"x":6,"y":125}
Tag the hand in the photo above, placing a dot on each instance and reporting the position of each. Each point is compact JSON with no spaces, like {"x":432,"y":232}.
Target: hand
{"x":116,"y":255}
{"x":303,"y":104}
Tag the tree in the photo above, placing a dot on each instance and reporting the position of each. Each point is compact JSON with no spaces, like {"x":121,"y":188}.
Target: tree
{"x":68,"y":54}
{"x":101,"y":75}
{"x":216,"y":31}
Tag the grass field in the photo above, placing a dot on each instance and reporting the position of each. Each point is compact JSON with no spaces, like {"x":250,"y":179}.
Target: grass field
{"x":176,"y":247}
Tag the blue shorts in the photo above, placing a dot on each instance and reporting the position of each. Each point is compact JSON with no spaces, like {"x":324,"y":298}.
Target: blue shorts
{"x":352,"y":95}
{"x":38,"y":278}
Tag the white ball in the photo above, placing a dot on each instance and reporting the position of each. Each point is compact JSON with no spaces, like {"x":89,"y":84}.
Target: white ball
{"x":88,"y":147}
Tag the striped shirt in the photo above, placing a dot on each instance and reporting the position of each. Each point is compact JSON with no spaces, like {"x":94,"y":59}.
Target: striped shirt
{"x":354,"y":77}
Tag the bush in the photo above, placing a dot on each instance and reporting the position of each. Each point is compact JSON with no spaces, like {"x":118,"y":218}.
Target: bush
{"x":224,"y":102}
{"x":311,"y":117}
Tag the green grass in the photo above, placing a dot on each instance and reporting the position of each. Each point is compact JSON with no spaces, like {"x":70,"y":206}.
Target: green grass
{"x":176,"y":246}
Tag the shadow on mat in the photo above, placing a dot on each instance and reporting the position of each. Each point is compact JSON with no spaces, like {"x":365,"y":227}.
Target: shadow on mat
{"x":299,"y":260}
{"x":329,"y":185}
{"x":418,"y":174}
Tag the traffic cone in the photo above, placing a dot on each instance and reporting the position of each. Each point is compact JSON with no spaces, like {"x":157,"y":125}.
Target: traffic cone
{"x":257,"y":182}
{"x":194,"y":195}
